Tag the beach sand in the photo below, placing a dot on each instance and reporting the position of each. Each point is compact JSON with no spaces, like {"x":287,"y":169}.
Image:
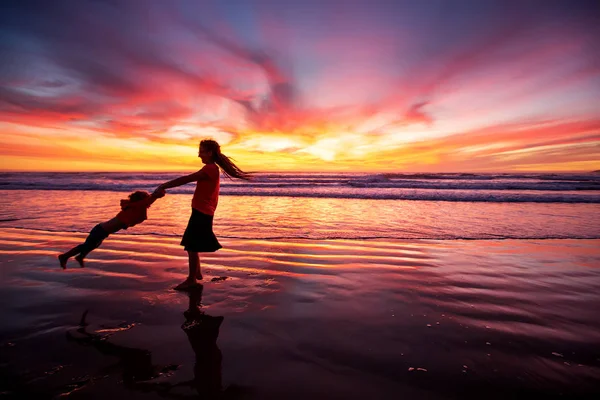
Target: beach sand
{"x":347,"y":319}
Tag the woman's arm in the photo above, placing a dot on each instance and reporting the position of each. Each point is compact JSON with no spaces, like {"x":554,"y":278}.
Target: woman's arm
{"x":182,"y":180}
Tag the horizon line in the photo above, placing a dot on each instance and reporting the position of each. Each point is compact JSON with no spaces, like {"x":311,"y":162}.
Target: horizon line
{"x":314,"y":172}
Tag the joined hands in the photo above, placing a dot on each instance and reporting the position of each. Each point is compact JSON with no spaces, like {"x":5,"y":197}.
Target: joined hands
{"x":159,"y":192}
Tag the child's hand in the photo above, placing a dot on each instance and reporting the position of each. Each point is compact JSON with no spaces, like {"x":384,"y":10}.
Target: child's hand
{"x":159,"y":192}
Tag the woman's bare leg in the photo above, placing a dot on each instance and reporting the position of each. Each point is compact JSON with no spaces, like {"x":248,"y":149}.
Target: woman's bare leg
{"x":194,"y":260}
{"x":193,"y":273}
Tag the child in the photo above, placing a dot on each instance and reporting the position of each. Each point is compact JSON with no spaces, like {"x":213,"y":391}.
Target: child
{"x":198,"y":236}
{"x":133,"y":212}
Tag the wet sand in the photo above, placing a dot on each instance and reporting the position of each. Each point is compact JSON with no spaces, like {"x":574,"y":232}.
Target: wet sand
{"x":329,"y":319}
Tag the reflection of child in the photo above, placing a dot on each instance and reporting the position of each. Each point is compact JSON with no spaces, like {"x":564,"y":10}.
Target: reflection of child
{"x":133,"y":212}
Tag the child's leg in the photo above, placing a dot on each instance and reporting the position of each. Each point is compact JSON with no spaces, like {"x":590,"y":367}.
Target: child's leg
{"x":93,"y":241}
{"x":63,"y":258}
{"x":87,"y":248}
{"x":82,"y":255}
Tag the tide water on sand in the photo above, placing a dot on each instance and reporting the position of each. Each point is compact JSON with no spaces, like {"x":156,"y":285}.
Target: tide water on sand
{"x":323,"y":297}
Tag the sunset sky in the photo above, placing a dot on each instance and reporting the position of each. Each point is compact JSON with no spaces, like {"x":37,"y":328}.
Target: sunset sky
{"x":313,"y":85}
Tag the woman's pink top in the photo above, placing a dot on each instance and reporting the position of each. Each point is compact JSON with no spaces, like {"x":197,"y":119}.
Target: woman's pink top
{"x":206,"y":195}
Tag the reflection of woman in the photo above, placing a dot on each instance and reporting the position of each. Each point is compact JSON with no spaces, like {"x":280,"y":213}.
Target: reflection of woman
{"x":202,"y":331}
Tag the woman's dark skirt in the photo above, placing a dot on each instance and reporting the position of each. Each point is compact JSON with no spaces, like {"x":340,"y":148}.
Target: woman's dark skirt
{"x":198,"y":235}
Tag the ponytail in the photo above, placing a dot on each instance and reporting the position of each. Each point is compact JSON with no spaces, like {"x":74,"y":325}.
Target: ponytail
{"x":229,"y":168}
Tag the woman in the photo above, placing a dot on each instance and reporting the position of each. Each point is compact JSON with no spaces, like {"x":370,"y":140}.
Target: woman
{"x":198,"y":236}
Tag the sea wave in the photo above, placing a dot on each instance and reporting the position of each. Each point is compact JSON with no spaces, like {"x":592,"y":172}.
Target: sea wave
{"x":365,"y":193}
{"x":465,"y":187}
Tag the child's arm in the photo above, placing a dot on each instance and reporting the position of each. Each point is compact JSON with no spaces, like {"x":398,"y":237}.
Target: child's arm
{"x":147,"y":202}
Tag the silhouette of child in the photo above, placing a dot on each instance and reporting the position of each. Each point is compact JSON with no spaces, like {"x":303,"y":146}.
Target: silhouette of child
{"x":133,"y":212}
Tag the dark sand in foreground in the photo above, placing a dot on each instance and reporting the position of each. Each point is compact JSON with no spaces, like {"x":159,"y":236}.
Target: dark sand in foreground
{"x":300,"y":319}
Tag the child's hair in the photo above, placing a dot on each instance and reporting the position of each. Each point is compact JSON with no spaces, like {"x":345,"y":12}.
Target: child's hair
{"x":139,"y":195}
{"x":231,"y":170}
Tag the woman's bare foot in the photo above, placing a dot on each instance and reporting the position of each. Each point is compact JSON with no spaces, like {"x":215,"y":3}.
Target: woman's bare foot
{"x":80,"y":261}
{"x":186,"y":285}
{"x":63,"y":261}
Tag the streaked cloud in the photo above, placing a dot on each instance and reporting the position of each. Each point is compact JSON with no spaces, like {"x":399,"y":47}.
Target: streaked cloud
{"x":364,"y":85}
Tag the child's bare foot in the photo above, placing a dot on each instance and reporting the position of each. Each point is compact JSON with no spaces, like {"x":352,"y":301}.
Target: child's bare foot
{"x":186,"y":285}
{"x":63,"y":261}
{"x":80,"y":261}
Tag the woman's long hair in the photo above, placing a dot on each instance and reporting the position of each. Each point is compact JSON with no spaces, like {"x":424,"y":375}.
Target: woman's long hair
{"x":228,"y":166}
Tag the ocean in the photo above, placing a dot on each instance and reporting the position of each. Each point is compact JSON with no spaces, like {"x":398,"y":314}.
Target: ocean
{"x":324,"y":206}
{"x":496,"y":188}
